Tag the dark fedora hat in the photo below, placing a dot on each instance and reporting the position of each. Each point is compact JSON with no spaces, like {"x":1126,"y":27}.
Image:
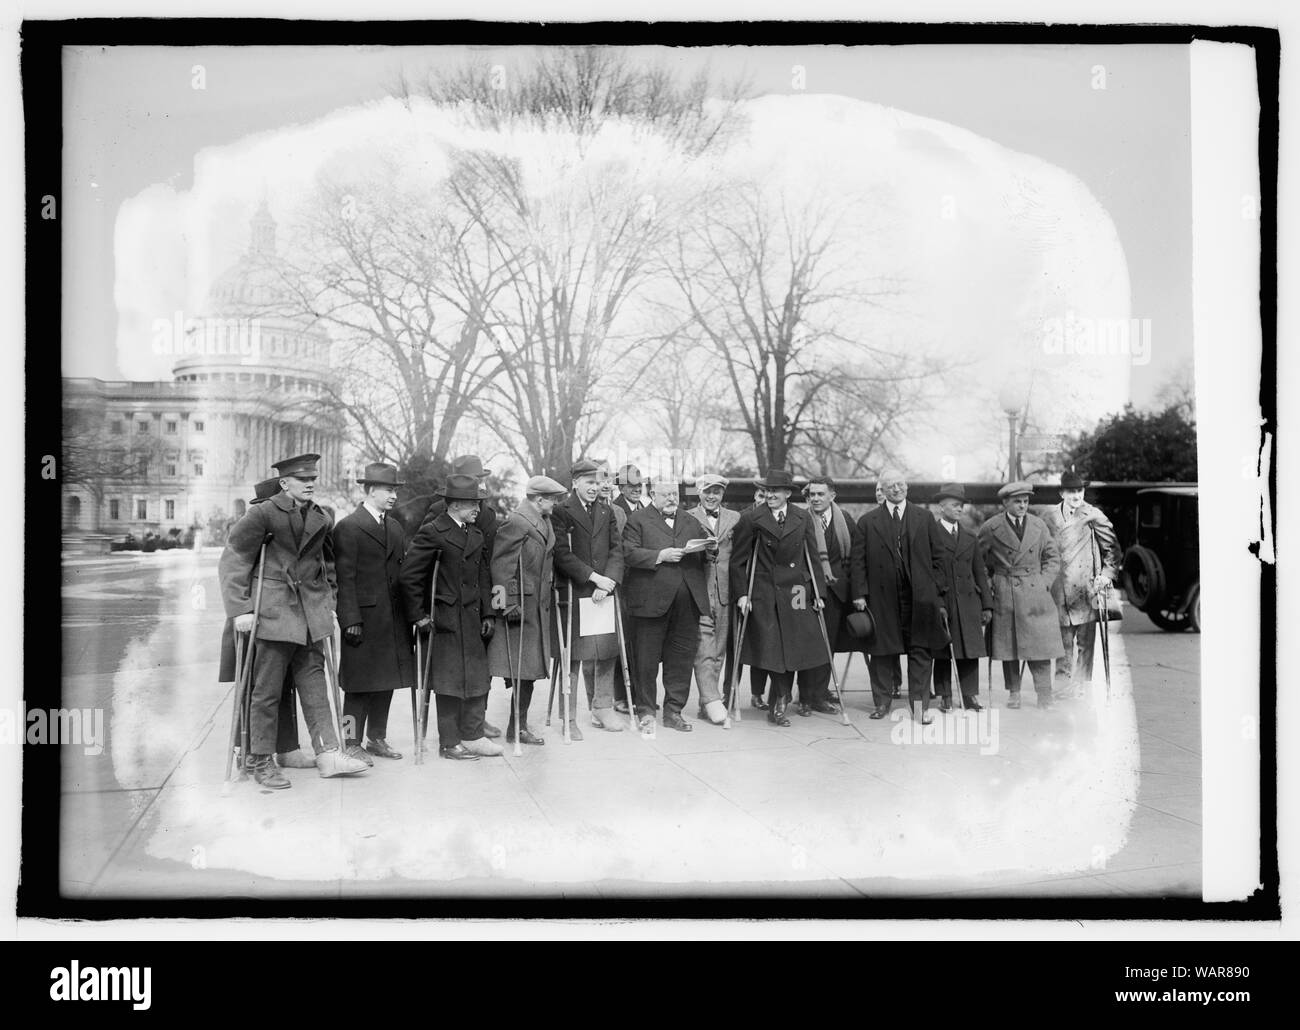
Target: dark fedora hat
{"x":862,"y":625}
{"x":777,"y":479}
{"x":469,"y":465}
{"x":460,"y":488}
{"x":954,"y":490}
{"x":380,"y":474}
{"x":266,"y":489}
{"x":1072,"y":481}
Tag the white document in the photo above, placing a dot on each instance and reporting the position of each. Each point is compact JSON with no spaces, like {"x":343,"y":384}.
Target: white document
{"x":595,"y":619}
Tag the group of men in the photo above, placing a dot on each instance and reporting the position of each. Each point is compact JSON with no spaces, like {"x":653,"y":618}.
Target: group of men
{"x":667,"y":594}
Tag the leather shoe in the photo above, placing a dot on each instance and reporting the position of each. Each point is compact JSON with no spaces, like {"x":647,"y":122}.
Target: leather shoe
{"x":926,"y":718}
{"x":776,"y":714}
{"x":526,"y":736}
{"x":673,"y":721}
{"x":897,"y":694}
{"x":805,"y":709}
{"x":825,"y":707}
{"x":267,"y":774}
{"x":972,"y":705}
{"x":945,"y":704}
{"x":357,"y":752}
{"x":380,"y":749}
{"x":490,"y":731}
{"x":879,"y":713}
{"x":756,"y":701}
{"x":458,"y":753}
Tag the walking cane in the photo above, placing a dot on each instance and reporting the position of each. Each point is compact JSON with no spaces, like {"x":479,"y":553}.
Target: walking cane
{"x":1102,"y":610}
{"x":734,"y":714}
{"x":428,"y":656}
{"x":826,"y":638}
{"x":622,"y":652}
{"x":567,"y":689}
{"x":416,"y":694}
{"x":239,"y":716}
{"x":519,"y":668}
{"x":555,"y":662}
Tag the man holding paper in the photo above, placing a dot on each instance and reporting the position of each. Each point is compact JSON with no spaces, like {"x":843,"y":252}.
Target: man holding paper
{"x":665,"y":551}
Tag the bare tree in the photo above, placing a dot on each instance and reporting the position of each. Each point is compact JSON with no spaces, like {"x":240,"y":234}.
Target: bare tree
{"x":772,"y":285}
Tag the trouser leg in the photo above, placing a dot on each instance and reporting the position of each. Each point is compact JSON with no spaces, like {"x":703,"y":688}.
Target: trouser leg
{"x":649,"y":635}
{"x":813,"y":684}
{"x":780,"y":687}
{"x":599,"y":674}
{"x":448,"y":720}
{"x":919,"y":665}
{"x":286,"y":727}
{"x":757,"y":681}
{"x":525,"y":699}
{"x":1011,"y":676}
{"x":356,"y":708}
{"x":1041,"y":671}
{"x":377,"y":715}
{"x":886,"y":674}
{"x":1086,"y":635}
{"x":709,"y":656}
{"x":308,"y":664}
{"x":271,"y":665}
{"x":681,"y":642}
{"x":943,"y":673}
{"x":472,"y":711}
{"x":968,"y":672}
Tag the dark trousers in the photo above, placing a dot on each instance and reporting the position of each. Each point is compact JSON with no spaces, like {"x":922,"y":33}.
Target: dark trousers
{"x":460,"y":718}
{"x":887,"y":676}
{"x":366,"y":715}
{"x":273,"y":660}
{"x":780,"y":686}
{"x":525,"y":688}
{"x":968,"y":674}
{"x":814,"y":684}
{"x":757,"y":681}
{"x":286,"y":722}
{"x":1041,"y":671}
{"x":671,"y":639}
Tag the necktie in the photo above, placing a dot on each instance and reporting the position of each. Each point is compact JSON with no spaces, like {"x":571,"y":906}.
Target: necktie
{"x":826,"y":520}
{"x":780,"y":518}
{"x":1020,"y":528}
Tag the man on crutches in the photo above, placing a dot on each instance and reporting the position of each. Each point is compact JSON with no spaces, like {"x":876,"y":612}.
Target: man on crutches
{"x":522,"y":578}
{"x":294,"y":619}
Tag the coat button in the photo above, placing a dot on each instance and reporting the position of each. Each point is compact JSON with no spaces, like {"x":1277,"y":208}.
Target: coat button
{"x":792,"y":565}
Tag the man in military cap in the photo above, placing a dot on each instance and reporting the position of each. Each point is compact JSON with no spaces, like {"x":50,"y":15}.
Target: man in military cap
{"x":288,"y":754}
{"x":485,"y":520}
{"x":522,"y":583}
{"x":1090,"y":558}
{"x":589,"y":555}
{"x":295,"y":618}
{"x":968,"y":599}
{"x":715,"y":624}
{"x":1022,"y":562}
{"x":461,"y":621}
{"x":369,"y":547}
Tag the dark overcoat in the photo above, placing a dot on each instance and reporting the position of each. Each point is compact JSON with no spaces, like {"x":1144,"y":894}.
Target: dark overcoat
{"x":486,"y":521}
{"x":1021,"y":573}
{"x":524,"y":532}
{"x":968,"y":592}
{"x":461,"y":600}
{"x":299,"y":586}
{"x":368,"y":560}
{"x":783,"y":633}
{"x":650,"y":587}
{"x":582,"y":546}
{"x":880,"y":568}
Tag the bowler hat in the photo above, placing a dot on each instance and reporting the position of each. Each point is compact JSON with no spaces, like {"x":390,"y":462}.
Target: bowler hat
{"x":954,"y":490}
{"x":1072,"y":481}
{"x":777,"y":479}
{"x":460,"y":488}
{"x":300,"y":465}
{"x":380,"y":474}
{"x":862,"y":625}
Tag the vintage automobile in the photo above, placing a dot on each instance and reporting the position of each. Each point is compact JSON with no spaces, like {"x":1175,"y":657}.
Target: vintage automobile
{"x":1162,"y":569}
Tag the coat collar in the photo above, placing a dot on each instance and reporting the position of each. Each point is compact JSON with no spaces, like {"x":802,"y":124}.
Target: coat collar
{"x":726,"y":517}
{"x":371,"y":528}
{"x":465,"y":538}
{"x":766,"y":521}
{"x":533,"y":518}
{"x":1007,"y":532}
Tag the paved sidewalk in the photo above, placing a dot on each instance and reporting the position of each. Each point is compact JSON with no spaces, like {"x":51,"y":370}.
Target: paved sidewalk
{"x":1089,"y":799}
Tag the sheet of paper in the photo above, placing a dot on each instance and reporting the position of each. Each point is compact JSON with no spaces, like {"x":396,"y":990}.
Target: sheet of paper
{"x":595,"y":619}
{"x":698,"y":544}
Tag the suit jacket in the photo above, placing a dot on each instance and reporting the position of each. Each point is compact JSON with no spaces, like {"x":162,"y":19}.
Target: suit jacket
{"x":1021,"y":572}
{"x":881,"y":573}
{"x":783,"y":632}
{"x":368,"y":559}
{"x":651,"y":585}
{"x":968,"y":593}
{"x":1088,"y":547}
{"x":585,"y":545}
{"x":718,"y":573}
{"x":522,"y":648}
{"x":462,"y":598}
{"x":299,"y":582}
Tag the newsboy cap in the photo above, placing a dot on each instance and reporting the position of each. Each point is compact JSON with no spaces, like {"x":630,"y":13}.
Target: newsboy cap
{"x":710,"y":479}
{"x":1015,"y":489}
{"x":544,"y":485}
{"x":300,"y":465}
{"x":379,"y":473}
{"x":583,"y":467}
{"x":1072,"y":481}
{"x":460,"y":488}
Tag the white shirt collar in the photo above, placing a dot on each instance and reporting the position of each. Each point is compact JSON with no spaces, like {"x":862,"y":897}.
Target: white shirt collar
{"x":776,"y":512}
{"x":375,"y":513}
{"x":901,"y":506}
{"x":951,"y":527}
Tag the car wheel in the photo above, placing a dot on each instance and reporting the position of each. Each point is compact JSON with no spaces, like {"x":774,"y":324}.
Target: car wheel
{"x":1168,"y":619}
{"x":1144,"y":579}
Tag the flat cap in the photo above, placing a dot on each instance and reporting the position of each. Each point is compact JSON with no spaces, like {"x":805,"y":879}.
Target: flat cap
{"x":709,"y":479}
{"x":1015,"y":489}
{"x":544,"y":485}
{"x":583,"y":467}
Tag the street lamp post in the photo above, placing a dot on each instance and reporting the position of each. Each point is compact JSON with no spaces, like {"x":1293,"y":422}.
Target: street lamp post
{"x":1013,"y":397}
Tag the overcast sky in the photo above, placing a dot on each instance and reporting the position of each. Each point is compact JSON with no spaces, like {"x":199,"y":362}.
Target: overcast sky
{"x":132,"y":119}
